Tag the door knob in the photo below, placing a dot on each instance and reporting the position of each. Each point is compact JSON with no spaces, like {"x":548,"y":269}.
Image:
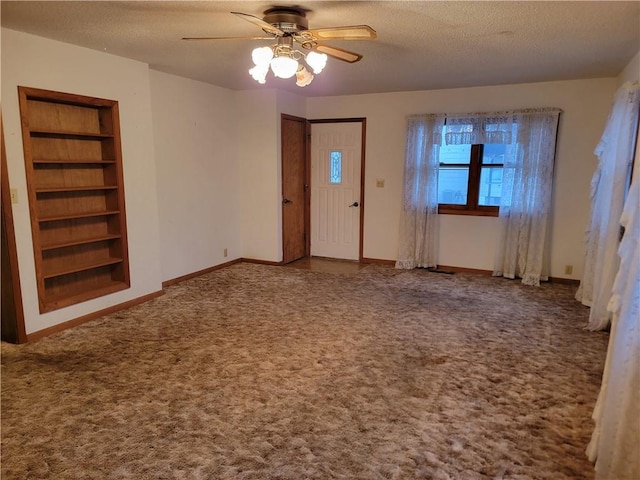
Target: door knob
{"x":286,"y":200}
{"x":354,"y":204}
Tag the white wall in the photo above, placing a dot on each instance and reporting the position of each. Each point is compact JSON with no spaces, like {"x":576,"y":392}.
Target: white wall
{"x":631,"y":73}
{"x":471,"y":241}
{"x":258,"y":172}
{"x":33,"y":61}
{"x":219,"y":172}
{"x":195,"y":137}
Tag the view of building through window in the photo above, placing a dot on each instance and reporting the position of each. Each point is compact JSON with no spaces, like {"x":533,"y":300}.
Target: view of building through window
{"x":453,"y":175}
{"x":463,"y":170}
{"x":490,"y":187}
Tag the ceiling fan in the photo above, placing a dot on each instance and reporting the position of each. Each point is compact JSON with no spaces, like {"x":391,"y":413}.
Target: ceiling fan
{"x":289,"y":26}
{"x":288,"y":22}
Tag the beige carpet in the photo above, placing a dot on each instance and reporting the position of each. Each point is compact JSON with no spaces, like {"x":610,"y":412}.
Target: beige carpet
{"x":260,"y":372}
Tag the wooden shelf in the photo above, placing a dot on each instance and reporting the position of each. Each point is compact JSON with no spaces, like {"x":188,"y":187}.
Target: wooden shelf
{"x":80,"y":241}
{"x":70,"y":162}
{"x":76,"y":189}
{"x":69,"y":134}
{"x":54,"y":301}
{"x":79,"y":215}
{"x":73,"y":164}
{"x":80,"y":267}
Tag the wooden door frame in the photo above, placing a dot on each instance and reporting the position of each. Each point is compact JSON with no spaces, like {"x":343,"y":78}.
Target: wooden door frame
{"x":12,"y":253}
{"x":307,"y":180}
{"x":363,"y":122}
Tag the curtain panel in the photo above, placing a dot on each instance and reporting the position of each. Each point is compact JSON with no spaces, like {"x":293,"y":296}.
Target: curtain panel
{"x":608,"y":186}
{"x":525,"y":206}
{"x":418,"y":240}
{"x":616,"y":438}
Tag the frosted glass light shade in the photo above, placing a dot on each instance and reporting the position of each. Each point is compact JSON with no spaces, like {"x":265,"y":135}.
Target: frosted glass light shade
{"x":303,"y":77}
{"x":284,"y":67}
{"x":262,"y":55}
{"x":316,"y":61}
{"x":259,"y":73}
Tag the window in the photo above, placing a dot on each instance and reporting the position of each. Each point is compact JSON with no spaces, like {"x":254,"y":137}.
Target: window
{"x":473,"y":164}
{"x":335,"y":167}
{"x":470,"y":178}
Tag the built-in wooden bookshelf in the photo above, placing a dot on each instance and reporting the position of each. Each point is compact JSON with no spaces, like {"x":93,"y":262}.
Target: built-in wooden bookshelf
{"x":73,"y":165}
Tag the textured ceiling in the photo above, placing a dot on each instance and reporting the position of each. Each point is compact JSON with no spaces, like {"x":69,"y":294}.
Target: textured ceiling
{"x":421,"y":45}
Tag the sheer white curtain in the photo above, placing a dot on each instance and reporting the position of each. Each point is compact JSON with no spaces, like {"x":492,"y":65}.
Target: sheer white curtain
{"x":418,"y":241}
{"x":615,"y":443}
{"x":476,"y":128}
{"x":608,"y":186}
{"x":525,"y":205}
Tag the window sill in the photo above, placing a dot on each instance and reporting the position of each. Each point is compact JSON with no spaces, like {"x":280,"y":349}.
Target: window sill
{"x":442,"y":210}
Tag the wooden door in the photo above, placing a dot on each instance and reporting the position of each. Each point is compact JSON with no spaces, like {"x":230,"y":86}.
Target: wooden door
{"x":294,"y":191}
{"x":336,"y":200}
{"x":12,"y":327}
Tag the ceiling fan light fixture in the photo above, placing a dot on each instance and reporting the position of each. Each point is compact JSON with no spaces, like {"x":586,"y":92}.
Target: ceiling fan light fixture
{"x":284,"y":67}
{"x":262,"y":55}
{"x":317,"y":61}
{"x":303,"y":77}
{"x":289,"y":26}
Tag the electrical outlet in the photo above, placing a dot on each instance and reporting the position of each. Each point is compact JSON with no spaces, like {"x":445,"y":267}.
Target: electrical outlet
{"x":14,"y":195}
{"x":568,"y":269}
{"x":225,"y":252}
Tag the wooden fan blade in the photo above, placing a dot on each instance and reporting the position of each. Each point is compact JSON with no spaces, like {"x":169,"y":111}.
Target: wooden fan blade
{"x":339,"y":53}
{"x":353,"y":32}
{"x":227,"y":38}
{"x":267,"y":27}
